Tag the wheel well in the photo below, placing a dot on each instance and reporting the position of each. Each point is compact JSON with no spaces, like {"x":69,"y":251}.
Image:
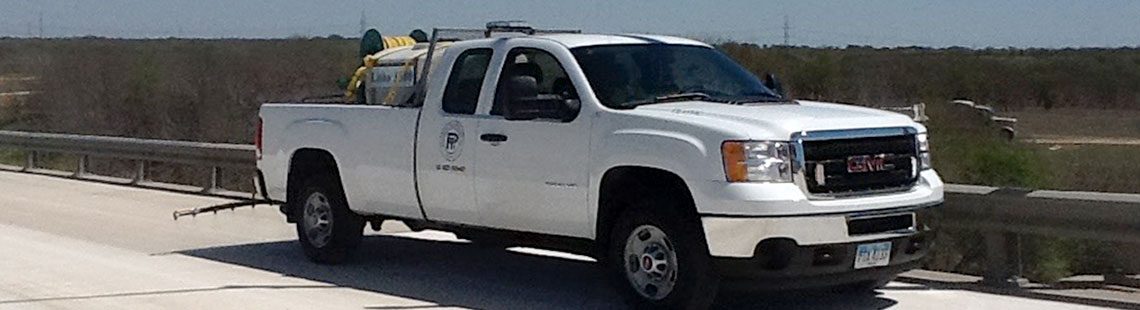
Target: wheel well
{"x":304,"y":163}
{"x":626,"y":181}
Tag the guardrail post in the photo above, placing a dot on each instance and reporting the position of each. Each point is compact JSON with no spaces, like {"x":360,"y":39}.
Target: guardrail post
{"x":1117,"y":277}
{"x":140,"y":172}
{"x":30,"y":162}
{"x":920,"y":112}
{"x":212,"y":182}
{"x":80,"y":167}
{"x":1000,"y":269}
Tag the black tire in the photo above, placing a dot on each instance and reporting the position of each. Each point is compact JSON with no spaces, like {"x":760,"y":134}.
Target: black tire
{"x":347,"y":227}
{"x":696,"y":282}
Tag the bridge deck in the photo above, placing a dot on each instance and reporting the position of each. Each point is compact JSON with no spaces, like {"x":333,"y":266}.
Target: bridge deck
{"x":82,"y":245}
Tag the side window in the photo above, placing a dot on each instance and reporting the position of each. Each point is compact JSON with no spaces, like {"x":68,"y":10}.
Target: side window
{"x":462,"y":93}
{"x":544,"y":67}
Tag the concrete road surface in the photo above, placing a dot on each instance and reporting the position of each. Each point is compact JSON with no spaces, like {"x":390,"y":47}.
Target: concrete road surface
{"x":68,"y":244}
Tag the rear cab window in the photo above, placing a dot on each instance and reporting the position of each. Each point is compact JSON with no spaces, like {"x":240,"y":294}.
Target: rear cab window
{"x":461,"y":94}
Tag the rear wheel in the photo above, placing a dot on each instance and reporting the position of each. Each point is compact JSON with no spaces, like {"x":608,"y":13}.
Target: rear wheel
{"x":660,"y":261}
{"x":327,"y":230}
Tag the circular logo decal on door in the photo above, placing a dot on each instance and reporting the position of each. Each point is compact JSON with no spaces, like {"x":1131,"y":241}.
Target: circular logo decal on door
{"x":451,"y":141}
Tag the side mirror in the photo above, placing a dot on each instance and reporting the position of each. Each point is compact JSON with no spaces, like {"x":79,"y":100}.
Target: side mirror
{"x":773,"y":83}
{"x":525,"y":103}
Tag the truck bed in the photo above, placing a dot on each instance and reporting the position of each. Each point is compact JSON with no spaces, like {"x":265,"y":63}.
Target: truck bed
{"x":373,"y":146}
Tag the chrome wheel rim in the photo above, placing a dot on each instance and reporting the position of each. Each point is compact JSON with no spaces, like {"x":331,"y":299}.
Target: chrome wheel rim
{"x":318,"y":220}
{"x":650,"y":262}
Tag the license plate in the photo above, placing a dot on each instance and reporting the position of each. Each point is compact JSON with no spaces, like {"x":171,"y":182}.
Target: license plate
{"x":872,"y":255}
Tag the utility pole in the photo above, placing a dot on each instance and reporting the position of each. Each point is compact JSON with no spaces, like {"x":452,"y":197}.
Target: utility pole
{"x":363,"y":23}
{"x":41,"y":25}
{"x":786,"y":28}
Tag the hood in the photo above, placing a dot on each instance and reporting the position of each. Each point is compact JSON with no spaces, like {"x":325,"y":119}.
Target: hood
{"x":766,"y":121}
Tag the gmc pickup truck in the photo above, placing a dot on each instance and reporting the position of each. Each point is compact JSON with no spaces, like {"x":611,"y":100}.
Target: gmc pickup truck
{"x":677,"y":169}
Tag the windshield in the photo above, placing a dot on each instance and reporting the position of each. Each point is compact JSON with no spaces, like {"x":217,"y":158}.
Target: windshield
{"x":625,"y":76}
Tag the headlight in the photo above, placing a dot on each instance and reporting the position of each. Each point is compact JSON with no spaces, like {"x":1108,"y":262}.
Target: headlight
{"x":923,"y":151}
{"x":923,"y":143}
{"x":757,"y":161}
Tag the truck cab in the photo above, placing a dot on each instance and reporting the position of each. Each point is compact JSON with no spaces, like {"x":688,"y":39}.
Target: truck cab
{"x":672,"y":165}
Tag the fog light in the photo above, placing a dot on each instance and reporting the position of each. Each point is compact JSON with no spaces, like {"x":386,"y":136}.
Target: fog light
{"x":776,"y":254}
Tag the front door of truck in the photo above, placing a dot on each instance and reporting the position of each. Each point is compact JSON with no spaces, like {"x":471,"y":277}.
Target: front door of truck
{"x":448,"y":134}
{"x":532,"y":175}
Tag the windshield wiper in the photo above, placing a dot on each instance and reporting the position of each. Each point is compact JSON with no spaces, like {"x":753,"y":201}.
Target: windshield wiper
{"x":761,"y":99}
{"x":673,"y":98}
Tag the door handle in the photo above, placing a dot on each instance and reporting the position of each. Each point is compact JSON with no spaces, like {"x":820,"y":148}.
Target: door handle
{"x":493,"y":137}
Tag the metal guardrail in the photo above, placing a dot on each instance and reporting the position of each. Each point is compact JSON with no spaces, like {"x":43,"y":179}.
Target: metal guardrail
{"x":917,"y":112}
{"x":1004,"y":123}
{"x":214,"y":156}
{"x":1001,"y":213}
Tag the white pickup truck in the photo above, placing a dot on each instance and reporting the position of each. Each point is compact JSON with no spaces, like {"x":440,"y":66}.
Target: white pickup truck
{"x":677,"y":169}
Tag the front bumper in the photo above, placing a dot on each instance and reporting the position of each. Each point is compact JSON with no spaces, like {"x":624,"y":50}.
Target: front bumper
{"x":738,"y":236}
{"x":787,"y":252}
{"x":738,"y":216}
{"x":792,"y":266}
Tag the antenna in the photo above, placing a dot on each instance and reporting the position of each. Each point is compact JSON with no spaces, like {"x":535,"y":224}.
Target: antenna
{"x":786,"y":28}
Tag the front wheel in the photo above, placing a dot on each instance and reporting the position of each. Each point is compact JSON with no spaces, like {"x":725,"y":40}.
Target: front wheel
{"x":327,"y":230}
{"x":661,"y":262}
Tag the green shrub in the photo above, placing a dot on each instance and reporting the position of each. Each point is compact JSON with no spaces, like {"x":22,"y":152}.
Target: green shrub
{"x":1002,"y":164}
{"x":11,"y":157}
{"x":966,"y":149}
{"x":1047,"y":259}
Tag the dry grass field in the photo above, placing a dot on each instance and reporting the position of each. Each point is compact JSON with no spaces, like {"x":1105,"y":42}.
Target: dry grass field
{"x":1074,"y":122}
{"x":209,"y":90}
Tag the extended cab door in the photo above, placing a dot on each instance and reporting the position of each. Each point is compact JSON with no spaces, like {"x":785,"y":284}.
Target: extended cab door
{"x":532,"y":174}
{"x":448,"y":134}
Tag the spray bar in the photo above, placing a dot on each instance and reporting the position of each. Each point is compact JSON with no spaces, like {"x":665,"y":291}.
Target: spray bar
{"x":193,"y":212}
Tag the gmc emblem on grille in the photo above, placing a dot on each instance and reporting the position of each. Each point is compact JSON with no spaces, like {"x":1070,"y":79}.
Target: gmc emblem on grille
{"x":868,"y":163}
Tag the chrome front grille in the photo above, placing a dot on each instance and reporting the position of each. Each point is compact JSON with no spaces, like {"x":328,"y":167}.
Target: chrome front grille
{"x":856,"y":162}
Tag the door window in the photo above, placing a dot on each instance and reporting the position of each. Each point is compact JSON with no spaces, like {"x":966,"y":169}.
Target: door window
{"x":462,"y":93}
{"x":543,"y":67}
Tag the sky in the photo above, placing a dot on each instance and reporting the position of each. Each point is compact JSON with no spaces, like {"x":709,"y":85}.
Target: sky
{"x":969,"y":23}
